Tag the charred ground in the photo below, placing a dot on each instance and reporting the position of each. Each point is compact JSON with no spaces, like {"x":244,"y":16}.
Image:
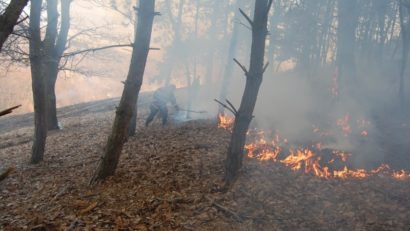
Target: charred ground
{"x":168,"y":179}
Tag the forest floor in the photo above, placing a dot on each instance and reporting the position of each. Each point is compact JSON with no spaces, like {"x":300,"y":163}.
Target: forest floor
{"x":169,"y":178}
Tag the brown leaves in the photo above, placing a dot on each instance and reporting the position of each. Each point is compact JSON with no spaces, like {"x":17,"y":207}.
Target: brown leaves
{"x":7,"y":173}
{"x":169,"y":178}
{"x":89,"y":208}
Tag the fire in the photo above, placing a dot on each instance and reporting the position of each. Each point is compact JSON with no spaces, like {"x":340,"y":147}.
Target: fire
{"x":347,"y":173}
{"x":305,"y":159}
{"x":225,"y":122}
{"x":401,"y":175}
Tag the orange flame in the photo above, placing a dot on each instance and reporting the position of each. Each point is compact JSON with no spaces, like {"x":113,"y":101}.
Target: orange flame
{"x":225,"y":122}
{"x":401,"y":175}
{"x":305,"y":159}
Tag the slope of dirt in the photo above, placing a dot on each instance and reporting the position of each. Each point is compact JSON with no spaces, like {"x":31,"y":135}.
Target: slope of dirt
{"x":168,"y":179}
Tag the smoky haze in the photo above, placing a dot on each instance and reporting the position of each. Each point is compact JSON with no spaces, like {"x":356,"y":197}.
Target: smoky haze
{"x":327,"y":69}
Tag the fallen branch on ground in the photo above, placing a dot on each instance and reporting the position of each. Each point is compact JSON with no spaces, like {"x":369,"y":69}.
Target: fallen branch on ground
{"x":9,"y":110}
{"x":225,"y":210}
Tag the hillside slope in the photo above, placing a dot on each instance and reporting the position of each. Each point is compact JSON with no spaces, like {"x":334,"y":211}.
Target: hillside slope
{"x":169,"y":179}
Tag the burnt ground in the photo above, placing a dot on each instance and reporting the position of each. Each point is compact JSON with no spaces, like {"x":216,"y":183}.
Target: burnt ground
{"x":168,"y":179}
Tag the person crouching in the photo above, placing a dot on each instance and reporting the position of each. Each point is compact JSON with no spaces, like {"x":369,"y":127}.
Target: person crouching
{"x":162,"y":97}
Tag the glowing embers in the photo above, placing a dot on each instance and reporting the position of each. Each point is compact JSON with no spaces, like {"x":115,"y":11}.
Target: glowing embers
{"x":362,"y":126}
{"x":401,"y":174}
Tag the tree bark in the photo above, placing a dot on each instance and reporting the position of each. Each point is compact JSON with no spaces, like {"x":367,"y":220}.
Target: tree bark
{"x":169,"y":62}
{"x":229,"y":66}
{"x":38,"y":83}
{"x":132,"y":128}
{"x":405,"y":28}
{"x":56,"y":49}
{"x":347,"y":23}
{"x":253,"y":81}
{"x":113,"y":148}
{"x":381,"y":8}
{"x":10,"y":18}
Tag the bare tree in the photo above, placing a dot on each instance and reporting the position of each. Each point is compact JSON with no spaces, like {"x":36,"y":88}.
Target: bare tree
{"x":38,"y":83}
{"x":44,"y":60}
{"x":229,"y":67}
{"x":55,"y":46}
{"x":10,"y":18}
{"x":254,"y":77}
{"x":177,"y":26}
{"x":347,"y":23}
{"x":405,"y":30}
{"x":113,"y":148}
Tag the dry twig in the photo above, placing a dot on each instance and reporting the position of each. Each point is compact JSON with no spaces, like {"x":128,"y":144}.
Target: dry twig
{"x":225,"y":210}
{"x":72,"y":226}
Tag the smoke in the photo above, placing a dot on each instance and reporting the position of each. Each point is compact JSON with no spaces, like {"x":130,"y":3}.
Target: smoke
{"x":306,"y":111}
{"x":302,"y":99}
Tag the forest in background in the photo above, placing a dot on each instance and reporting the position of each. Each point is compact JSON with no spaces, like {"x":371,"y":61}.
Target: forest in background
{"x":194,"y":38}
{"x":302,"y":98}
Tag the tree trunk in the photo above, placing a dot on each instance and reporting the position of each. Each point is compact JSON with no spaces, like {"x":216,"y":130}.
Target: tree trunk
{"x":253,"y":81}
{"x":210,"y":57}
{"x":9,"y":19}
{"x":50,"y":63}
{"x":381,"y":9}
{"x":170,"y":62}
{"x":229,"y":66}
{"x":325,"y":37}
{"x":57,"y":47}
{"x":38,"y":84}
{"x":129,"y":97}
{"x":132,"y":128}
{"x":405,"y":28}
{"x":273,"y":23}
{"x":347,"y":23}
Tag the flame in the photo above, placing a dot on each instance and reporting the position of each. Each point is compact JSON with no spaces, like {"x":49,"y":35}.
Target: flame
{"x":225,"y":122}
{"x":401,"y":175}
{"x":347,"y":173}
{"x":305,"y":159}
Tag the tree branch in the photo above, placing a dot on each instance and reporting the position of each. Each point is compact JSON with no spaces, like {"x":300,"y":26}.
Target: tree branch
{"x":22,"y":20}
{"x":226,"y":106}
{"x":233,"y":107}
{"x":265,"y":67}
{"x":246,"y":17}
{"x":246,"y":26}
{"x":241,"y":66}
{"x":95,"y":49}
{"x":8,"y":110}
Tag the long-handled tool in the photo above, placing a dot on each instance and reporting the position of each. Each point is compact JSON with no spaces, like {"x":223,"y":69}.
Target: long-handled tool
{"x":201,"y":112}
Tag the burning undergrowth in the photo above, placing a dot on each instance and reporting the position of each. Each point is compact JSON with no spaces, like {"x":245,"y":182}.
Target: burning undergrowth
{"x":168,"y":179}
{"x":318,"y":156}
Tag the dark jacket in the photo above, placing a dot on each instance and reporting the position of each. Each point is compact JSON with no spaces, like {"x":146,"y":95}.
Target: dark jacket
{"x":164,"y":95}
